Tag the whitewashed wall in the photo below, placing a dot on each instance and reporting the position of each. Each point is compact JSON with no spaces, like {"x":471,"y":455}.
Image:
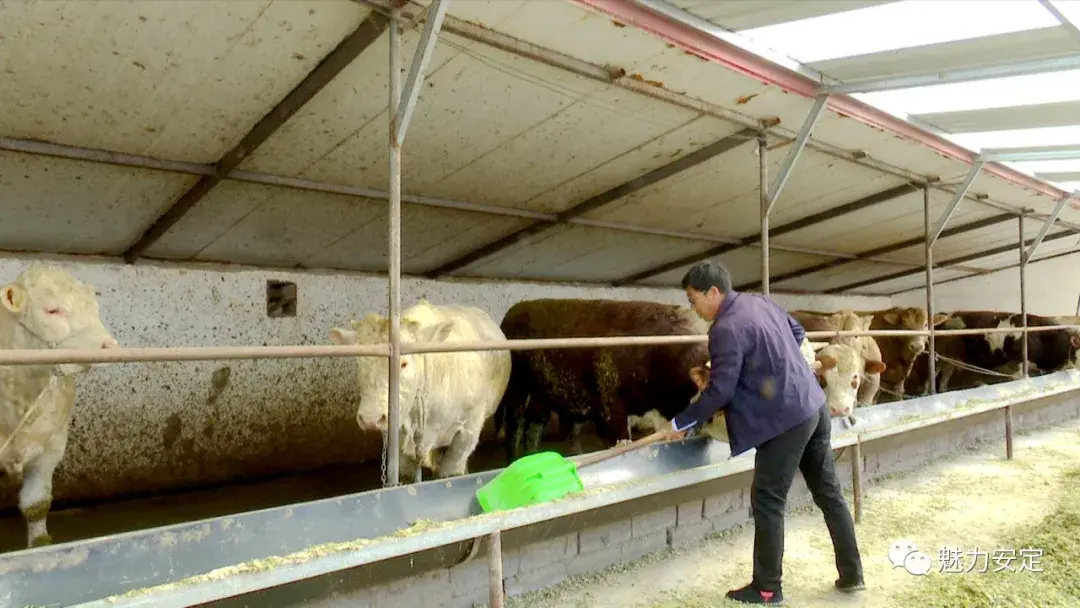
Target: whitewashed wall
{"x":144,"y":427}
{"x":1052,"y":289}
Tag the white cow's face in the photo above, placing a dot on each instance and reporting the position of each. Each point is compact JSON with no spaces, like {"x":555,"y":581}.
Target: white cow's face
{"x":55,"y":310}
{"x":842,"y":371}
{"x":373,"y":373}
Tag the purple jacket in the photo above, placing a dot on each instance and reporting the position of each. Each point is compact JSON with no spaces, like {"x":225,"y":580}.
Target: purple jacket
{"x":759,"y":376}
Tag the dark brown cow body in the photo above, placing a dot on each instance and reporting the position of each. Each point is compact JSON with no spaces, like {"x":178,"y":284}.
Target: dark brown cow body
{"x":602,"y":385}
{"x":1002,"y":353}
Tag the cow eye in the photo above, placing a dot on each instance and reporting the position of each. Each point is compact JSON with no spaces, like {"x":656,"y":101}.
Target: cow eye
{"x":56,"y":310}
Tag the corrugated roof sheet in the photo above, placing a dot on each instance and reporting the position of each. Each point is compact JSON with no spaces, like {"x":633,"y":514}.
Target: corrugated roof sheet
{"x":529,"y":109}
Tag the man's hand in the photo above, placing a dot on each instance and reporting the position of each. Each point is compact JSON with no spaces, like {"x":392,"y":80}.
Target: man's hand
{"x":668,"y":435}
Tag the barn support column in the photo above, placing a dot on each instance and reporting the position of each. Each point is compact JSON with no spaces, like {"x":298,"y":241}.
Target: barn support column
{"x":495,"y":570}
{"x":401,"y":106}
{"x":1023,"y":294}
{"x":856,"y":479}
{"x":932,"y":346}
{"x":763,"y":190}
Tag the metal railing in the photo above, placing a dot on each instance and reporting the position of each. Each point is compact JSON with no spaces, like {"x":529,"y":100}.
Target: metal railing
{"x":382,"y":349}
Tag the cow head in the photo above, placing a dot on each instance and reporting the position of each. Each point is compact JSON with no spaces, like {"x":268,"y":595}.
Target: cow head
{"x":52,"y":309}
{"x":910,"y":319}
{"x":700,"y":376}
{"x":842,"y":371}
{"x":1074,"y":344}
{"x":372,"y":373}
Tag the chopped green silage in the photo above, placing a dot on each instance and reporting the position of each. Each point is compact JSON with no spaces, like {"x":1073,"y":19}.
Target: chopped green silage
{"x":1058,"y":584}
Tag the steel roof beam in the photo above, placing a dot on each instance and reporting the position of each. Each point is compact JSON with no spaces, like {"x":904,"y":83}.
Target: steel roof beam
{"x":957,"y":197}
{"x":1027,"y":253}
{"x":794,"y":153}
{"x":1062,"y":19}
{"x":817,"y":218}
{"x":106,"y":157}
{"x":436,"y":13}
{"x":866,"y":255}
{"x":988,"y":72}
{"x":595,"y":202}
{"x":993,"y":270}
{"x":349,"y":49}
{"x":953,"y":262}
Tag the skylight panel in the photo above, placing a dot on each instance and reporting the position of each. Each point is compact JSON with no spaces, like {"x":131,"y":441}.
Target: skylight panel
{"x":900,"y":25}
{"x":1020,"y":138}
{"x":1045,"y":166}
{"x":1050,"y":87}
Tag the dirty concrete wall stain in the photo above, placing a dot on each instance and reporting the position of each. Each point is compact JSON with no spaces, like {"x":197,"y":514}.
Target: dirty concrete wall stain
{"x":150,"y":427}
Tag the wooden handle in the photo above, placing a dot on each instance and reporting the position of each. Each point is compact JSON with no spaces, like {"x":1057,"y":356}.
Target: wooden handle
{"x":619,"y":450}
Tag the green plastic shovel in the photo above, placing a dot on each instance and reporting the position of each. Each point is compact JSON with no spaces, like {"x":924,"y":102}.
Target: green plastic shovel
{"x":544,"y":476}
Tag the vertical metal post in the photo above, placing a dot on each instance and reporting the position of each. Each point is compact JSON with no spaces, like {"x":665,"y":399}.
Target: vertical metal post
{"x":393,"y":424}
{"x":763,"y":188}
{"x":1024,"y":342}
{"x":929,"y":245}
{"x":1023,"y":295}
{"x":856,"y":478}
{"x":495,"y":571}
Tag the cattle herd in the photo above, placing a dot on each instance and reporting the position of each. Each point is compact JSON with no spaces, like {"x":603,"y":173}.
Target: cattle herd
{"x":447,"y":398}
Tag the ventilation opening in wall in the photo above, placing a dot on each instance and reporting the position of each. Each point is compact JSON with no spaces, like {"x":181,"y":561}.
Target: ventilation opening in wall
{"x":280,"y":299}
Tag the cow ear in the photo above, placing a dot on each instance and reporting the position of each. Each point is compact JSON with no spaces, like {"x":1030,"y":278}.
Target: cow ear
{"x":826,"y":362}
{"x":874,"y":367}
{"x":1074,"y":339}
{"x":342,"y":337}
{"x":13,"y":297}
{"x":940,"y":318}
{"x":891,"y":317}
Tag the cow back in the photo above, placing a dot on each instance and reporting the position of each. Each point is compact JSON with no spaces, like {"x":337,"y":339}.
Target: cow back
{"x":588,"y":381}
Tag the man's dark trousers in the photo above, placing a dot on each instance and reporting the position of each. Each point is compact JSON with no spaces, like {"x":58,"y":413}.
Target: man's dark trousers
{"x":807,"y":447}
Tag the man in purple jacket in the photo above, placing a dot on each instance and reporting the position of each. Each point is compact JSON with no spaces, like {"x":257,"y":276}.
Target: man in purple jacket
{"x":772,"y":402}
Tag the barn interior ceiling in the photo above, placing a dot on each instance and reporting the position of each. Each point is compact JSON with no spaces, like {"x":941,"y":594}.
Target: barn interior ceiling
{"x":551,"y":140}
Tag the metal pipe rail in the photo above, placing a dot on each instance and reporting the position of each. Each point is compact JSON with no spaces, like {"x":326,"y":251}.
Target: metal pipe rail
{"x":211,"y":353}
{"x":283,"y":570}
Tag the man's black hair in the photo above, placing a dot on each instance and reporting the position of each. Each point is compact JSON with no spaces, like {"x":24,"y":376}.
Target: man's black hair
{"x":707,"y":274}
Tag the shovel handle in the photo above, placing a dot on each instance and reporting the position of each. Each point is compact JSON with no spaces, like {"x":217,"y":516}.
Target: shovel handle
{"x":619,"y":450}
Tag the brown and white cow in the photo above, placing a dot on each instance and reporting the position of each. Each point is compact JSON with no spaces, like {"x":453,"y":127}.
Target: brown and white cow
{"x":445,"y":398}
{"x":43,"y":308}
{"x":898,"y":353}
{"x":851,"y":366}
{"x":606,"y":386}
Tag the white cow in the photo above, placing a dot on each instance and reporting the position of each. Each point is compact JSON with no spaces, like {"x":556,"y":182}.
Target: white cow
{"x":445,"y":398}
{"x":45,"y":307}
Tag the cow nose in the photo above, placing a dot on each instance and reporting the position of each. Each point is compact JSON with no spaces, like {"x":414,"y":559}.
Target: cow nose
{"x":110,"y":343}
{"x":383,"y":421}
